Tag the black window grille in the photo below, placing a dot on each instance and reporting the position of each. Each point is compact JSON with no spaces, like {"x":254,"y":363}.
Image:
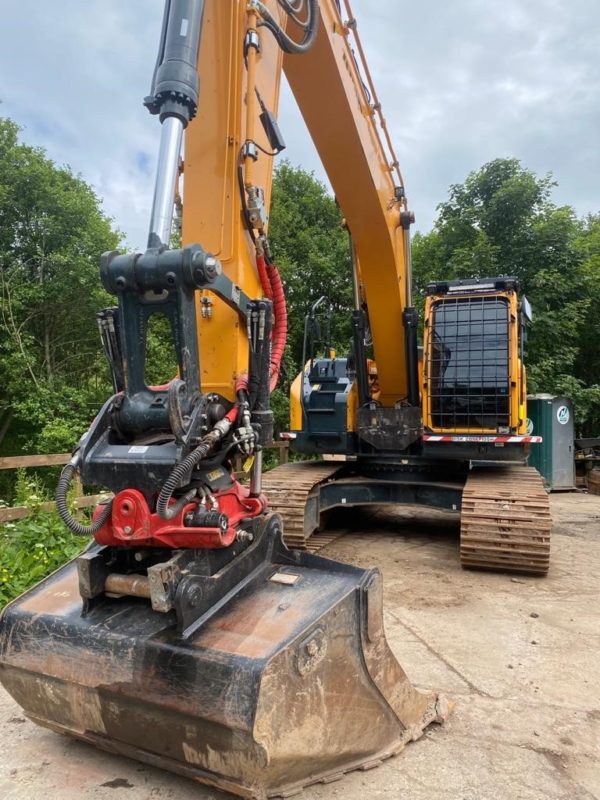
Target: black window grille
{"x":469,"y":364}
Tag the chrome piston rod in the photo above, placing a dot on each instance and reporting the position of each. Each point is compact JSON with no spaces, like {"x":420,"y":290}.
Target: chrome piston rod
{"x":166,"y":181}
{"x":256,"y":474}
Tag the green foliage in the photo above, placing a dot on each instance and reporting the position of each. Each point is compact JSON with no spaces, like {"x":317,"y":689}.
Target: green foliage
{"x":52,"y":232}
{"x":32,"y":548}
{"x":280,"y":406}
{"x":501,"y":221}
{"x":161,"y":359}
{"x":311,"y":249}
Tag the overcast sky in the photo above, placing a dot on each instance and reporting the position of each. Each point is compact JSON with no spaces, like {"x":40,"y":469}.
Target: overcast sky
{"x":461,"y":82}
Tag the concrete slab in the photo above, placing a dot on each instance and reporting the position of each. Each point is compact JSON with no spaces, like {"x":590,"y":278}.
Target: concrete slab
{"x":518,"y":655}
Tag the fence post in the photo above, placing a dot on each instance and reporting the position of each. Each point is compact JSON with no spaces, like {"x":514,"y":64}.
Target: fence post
{"x":284,"y":453}
{"x":78,"y":492}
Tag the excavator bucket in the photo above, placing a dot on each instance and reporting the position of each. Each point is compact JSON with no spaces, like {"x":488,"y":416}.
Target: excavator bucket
{"x":285,"y":681}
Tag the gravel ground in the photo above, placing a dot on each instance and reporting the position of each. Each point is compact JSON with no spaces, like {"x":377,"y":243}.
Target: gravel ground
{"x":519,"y":656}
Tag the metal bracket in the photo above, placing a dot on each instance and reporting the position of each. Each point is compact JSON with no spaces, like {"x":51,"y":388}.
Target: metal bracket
{"x":195,"y":584}
{"x":252,"y":39}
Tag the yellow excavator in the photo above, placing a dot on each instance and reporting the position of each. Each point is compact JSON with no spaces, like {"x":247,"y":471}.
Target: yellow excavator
{"x":187,"y":634}
{"x":444,"y":425}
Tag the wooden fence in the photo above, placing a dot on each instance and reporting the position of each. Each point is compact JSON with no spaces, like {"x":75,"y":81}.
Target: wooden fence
{"x":81,"y":500}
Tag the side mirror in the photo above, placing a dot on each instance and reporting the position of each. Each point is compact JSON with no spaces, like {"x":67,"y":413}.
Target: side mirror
{"x":526,"y":309}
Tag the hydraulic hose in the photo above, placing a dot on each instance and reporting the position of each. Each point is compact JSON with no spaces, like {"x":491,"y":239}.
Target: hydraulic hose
{"x":66,"y":476}
{"x":280,"y":325}
{"x":181,"y":470}
{"x":241,"y":384}
{"x":272,"y":286}
{"x":309,"y":26}
{"x":263,"y":276}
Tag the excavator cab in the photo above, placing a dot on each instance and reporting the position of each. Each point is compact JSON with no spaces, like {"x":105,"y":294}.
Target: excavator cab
{"x":187,"y":634}
{"x":475,"y":377}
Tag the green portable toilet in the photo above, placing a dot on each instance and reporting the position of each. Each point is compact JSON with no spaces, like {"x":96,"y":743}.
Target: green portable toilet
{"x":551,"y":417}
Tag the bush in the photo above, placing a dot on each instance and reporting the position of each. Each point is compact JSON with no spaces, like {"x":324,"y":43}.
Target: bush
{"x":32,"y":548}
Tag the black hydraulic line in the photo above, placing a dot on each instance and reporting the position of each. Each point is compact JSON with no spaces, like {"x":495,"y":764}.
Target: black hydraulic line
{"x":181,"y":470}
{"x":66,"y":476}
{"x":260,"y":394}
{"x":355,"y":284}
{"x":309,"y":26}
{"x":293,"y":9}
{"x":410,"y":319}
{"x":219,"y":458}
{"x":108,"y":324}
{"x":177,"y":388}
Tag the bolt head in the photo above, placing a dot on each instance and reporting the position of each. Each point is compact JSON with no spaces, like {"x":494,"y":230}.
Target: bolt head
{"x":194,"y":597}
{"x":212,"y":267}
{"x":312,"y":648}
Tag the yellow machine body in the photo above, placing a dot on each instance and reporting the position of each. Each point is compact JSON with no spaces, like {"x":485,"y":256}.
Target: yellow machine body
{"x":228,"y":115}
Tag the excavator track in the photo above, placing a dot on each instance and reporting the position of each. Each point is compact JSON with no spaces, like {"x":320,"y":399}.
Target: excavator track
{"x":505,"y":521}
{"x":288,"y":488}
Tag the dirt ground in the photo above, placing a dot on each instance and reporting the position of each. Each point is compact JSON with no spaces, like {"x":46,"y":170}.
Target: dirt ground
{"x":520,"y":657}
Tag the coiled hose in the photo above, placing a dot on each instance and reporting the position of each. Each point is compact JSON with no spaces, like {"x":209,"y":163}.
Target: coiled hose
{"x":66,"y":476}
{"x":272,"y":286}
{"x":280,"y":327}
{"x":181,"y":470}
{"x":308,"y":26}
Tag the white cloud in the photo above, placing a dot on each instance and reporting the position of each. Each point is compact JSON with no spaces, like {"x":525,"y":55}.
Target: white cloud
{"x":461,"y":82}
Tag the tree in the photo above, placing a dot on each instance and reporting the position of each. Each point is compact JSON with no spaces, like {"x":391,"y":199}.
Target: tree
{"x":311,"y":249}
{"x":501,"y":221}
{"x":52,"y":232}
{"x":587,"y":362}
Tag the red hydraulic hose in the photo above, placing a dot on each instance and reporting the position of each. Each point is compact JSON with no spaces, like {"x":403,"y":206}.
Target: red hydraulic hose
{"x":232,"y":414}
{"x":261,"y":266}
{"x":272,"y":286}
{"x":279,"y":335}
